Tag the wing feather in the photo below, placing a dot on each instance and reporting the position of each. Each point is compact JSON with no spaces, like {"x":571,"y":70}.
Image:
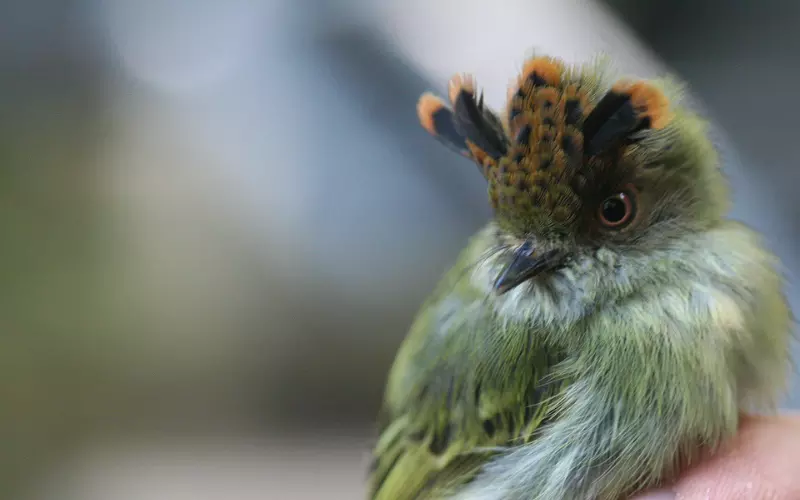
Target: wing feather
{"x":463,"y":388}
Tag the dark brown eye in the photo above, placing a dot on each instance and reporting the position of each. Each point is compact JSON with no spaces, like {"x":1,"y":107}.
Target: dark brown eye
{"x":618,"y":209}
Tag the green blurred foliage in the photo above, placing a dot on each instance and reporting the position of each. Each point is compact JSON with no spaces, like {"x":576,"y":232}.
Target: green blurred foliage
{"x":56,"y":309}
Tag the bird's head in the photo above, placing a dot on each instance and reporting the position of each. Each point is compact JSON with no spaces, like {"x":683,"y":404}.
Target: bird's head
{"x":578,"y":163}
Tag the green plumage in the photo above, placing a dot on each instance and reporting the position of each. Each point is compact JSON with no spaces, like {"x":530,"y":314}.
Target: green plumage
{"x":612,"y":368}
{"x":451,"y":408}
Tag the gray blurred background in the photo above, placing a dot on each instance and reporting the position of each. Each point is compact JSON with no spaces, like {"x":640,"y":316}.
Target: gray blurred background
{"x":218,"y":217}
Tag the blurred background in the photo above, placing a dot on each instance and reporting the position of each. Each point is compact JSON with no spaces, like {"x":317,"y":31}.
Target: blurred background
{"x":218,"y":217}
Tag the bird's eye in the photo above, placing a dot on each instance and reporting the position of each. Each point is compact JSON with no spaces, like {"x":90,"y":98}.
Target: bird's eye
{"x":617,"y":210}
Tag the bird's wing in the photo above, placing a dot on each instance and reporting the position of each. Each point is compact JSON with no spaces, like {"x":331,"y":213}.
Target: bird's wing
{"x":463,"y":388}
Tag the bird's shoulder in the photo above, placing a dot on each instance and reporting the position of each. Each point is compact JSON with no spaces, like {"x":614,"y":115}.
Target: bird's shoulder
{"x":464,"y":386}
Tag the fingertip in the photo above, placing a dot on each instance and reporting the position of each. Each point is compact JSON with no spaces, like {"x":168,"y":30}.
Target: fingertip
{"x":761,"y":462}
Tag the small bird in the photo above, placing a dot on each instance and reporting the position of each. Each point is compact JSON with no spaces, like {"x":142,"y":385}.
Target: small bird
{"x":608,"y":325}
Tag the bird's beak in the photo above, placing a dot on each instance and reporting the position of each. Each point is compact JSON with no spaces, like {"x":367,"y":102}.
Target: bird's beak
{"x":526,"y":264}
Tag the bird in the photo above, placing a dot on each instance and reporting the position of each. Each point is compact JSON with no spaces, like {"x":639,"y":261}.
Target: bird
{"x":608,"y":326}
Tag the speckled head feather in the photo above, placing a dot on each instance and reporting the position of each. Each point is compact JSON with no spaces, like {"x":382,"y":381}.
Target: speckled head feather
{"x":564,"y":128}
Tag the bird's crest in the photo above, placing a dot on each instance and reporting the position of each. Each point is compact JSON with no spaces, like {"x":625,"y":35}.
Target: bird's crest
{"x":560,"y":129}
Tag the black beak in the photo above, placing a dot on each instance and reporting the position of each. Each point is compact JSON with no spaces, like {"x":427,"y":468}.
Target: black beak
{"x":526,"y":265}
